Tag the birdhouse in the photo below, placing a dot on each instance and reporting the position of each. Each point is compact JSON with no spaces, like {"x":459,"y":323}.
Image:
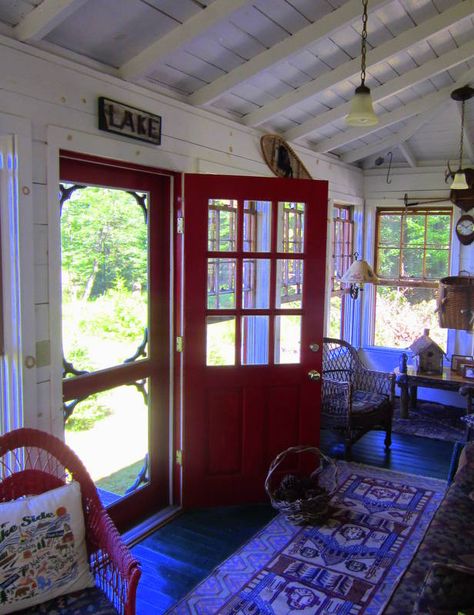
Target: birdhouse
{"x":428,"y":354}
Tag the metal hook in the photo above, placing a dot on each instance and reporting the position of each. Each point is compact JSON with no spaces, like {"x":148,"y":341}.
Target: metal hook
{"x":389,"y":181}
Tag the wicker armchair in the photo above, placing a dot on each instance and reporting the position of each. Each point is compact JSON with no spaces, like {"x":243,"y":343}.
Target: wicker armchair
{"x":355,"y":399}
{"x":32,"y":462}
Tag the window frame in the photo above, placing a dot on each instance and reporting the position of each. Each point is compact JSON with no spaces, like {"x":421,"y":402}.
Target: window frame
{"x":346,"y":254}
{"x":431,"y":283}
{"x":412,"y":282}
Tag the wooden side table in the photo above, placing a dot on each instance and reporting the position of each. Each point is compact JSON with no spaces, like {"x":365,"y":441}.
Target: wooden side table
{"x":447,"y":381}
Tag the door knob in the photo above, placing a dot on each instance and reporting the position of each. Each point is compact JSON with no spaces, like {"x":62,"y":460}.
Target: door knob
{"x":314,"y":375}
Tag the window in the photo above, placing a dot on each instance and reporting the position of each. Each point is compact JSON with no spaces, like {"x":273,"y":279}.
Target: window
{"x":342,"y":257}
{"x":412,"y":253}
{"x":255,"y":272}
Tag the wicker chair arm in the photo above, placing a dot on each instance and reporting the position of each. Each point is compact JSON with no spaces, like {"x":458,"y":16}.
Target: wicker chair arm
{"x":115,"y":569}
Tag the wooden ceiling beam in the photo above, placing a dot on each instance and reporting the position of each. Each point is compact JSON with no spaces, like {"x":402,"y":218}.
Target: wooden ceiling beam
{"x":351,"y":69}
{"x":415,"y":107}
{"x":407,"y":153}
{"x":393,"y":141}
{"x":393,"y":87}
{"x":44,"y":18}
{"x":308,"y":35}
{"x":139,"y":65}
{"x":431,"y":105}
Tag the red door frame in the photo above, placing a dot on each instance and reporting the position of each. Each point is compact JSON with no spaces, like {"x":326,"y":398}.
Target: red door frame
{"x":89,"y":169}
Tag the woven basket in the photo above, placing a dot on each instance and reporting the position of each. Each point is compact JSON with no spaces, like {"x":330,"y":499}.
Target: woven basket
{"x":456,"y":302}
{"x":320,"y":487}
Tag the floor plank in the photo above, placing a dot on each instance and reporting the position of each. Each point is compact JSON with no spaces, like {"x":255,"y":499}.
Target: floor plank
{"x":182,"y":553}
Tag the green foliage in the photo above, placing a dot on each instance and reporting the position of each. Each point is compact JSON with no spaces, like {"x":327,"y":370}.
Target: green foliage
{"x":335,"y":314}
{"x":221,"y":342}
{"x":87,"y":413}
{"x":413,"y":246}
{"x":116,"y":314}
{"x":403,"y":313}
{"x":104,"y":239}
{"x":118,"y":482}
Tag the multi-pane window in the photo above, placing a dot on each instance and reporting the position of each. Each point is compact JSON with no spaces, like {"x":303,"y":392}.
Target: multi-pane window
{"x":412,"y":253}
{"x":341,"y":258}
{"x":255,"y":281}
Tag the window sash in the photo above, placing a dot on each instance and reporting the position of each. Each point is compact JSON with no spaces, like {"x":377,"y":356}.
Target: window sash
{"x":402,"y":247}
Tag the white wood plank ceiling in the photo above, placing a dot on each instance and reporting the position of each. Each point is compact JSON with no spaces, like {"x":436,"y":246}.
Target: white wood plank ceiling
{"x":285,"y":66}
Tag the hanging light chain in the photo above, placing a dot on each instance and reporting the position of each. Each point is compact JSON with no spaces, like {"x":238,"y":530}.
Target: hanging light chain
{"x":363,"y":41}
{"x":462,"y":135}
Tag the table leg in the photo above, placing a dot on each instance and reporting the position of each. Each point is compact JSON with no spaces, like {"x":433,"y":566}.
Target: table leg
{"x":403,"y":401}
{"x":413,"y":396}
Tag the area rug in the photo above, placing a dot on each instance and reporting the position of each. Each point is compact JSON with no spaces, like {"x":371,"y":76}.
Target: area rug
{"x":431,"y":420}
{"x":350,"y":565}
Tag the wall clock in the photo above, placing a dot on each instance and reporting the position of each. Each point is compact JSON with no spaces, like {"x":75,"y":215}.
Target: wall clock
{"x":465,"y":229}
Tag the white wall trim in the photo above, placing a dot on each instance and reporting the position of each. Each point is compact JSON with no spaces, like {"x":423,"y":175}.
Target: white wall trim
{"x":18,"y":397}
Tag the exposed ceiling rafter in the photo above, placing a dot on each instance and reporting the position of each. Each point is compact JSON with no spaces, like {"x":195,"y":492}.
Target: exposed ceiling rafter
{"x":144,"y":61}
{"x":44,"y":18}
{"x":309,"y":35}
{"x":415,"y":107}
{"x":411,"y":78}
{"x":403,"y":135}
{"x":414,"y":124}
{"x":406,"y":152}
{"x":352,"y":68}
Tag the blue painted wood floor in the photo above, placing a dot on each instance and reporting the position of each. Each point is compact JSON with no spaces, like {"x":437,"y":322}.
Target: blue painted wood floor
{"x":183,"y":552}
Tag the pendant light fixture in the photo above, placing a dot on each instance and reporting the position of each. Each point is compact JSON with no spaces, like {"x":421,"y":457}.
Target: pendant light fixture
{"x":461,"y":94}
{"x":362,"y":112}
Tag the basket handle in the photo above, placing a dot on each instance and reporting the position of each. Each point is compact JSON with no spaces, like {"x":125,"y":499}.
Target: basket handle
{"x":301,"y":448}
{"x":465,"y":272}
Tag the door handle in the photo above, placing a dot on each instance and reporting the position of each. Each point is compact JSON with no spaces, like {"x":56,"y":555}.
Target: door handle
{"x":314,"y":375}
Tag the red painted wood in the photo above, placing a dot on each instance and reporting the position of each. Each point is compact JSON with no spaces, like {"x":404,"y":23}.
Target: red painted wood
{"x":85,"y":169}
{"x":278,"y":405}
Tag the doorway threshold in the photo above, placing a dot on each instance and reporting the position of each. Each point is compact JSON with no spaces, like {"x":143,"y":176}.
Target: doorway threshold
{"x":149,"y":525}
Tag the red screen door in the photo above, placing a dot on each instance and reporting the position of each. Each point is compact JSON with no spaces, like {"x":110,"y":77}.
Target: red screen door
{"x":254,"y":263}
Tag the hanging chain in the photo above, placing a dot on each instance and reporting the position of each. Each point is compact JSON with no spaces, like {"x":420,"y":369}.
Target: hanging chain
{"x":462,"y":135}
{"x":364,"y":41}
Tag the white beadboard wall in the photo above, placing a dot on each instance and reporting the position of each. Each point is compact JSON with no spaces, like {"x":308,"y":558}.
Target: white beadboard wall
{"x":59,"y":99}
{"x":416,"y":182}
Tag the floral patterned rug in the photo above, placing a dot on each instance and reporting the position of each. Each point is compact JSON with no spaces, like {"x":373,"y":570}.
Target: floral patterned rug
{"x":351,"y":564}
{"x":431,"y":420}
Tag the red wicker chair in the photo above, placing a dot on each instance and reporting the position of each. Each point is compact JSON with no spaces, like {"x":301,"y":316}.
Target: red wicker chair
{"x":32,"y":462}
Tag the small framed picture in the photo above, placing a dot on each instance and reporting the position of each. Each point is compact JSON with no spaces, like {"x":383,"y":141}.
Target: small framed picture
{"x":458,"y":359}
{"x":468,"y":371}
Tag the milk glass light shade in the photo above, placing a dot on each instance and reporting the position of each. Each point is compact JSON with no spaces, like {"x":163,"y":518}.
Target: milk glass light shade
{"x":459,"y":181}
{"x":362,"y":111}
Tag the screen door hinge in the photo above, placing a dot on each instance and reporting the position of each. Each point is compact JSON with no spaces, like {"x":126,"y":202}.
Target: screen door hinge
{"x":179,"y":343}
{"x":180,"y":225}
{"x":179,"y":457}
